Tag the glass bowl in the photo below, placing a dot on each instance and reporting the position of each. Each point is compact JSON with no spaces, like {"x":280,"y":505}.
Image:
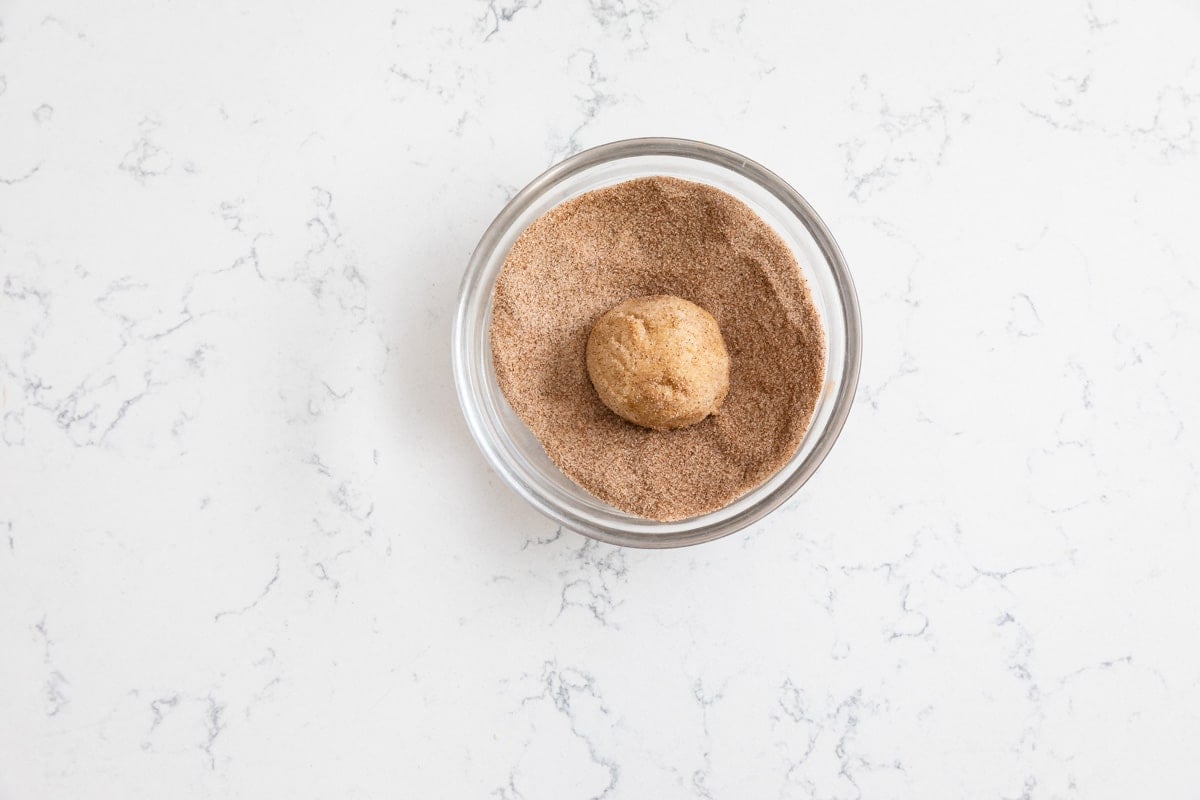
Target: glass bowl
{"x":516,"y":454}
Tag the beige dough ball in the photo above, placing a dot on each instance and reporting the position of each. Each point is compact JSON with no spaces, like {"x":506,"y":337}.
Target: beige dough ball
{"x":659,"y":362}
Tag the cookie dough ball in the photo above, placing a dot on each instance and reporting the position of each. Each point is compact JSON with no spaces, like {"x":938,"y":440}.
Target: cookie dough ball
{"x":659,"y":362}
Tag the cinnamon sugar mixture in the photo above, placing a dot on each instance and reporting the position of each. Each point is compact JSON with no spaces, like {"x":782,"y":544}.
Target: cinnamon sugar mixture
{"x":654,"y":236}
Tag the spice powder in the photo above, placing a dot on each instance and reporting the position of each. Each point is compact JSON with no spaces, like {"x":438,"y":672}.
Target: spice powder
{"x":649,"y":236}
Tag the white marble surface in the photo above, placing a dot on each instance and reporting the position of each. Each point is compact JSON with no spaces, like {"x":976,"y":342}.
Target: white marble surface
{"x":247,"y":548}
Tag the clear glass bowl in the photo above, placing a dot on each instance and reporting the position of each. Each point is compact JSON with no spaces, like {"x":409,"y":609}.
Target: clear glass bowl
{"x":512,"y":449}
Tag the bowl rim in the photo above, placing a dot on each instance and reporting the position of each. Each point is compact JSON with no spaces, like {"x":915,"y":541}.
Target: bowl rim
{"x":794,"y":202}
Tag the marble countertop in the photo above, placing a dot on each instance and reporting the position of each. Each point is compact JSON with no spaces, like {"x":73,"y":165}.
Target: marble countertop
{"x":248,"y":548}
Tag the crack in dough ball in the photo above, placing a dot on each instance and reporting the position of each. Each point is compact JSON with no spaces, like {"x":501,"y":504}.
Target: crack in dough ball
{"x":659,"y":362}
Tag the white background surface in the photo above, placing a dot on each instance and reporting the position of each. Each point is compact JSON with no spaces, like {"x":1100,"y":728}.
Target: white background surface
{"x":247,"y":548}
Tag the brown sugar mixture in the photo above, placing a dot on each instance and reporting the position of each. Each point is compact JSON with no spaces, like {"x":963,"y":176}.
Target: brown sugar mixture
{"x":658,"y":236}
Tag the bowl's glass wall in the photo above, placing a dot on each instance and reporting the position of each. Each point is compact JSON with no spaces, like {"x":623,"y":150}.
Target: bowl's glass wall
{"x":511,"y":447}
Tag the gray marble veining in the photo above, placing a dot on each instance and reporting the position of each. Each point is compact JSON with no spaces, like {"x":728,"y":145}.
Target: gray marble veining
{"x":247,"y":547}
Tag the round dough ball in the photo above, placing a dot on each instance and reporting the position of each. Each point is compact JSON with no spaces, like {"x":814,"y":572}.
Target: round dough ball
{"x":659,"y":362}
